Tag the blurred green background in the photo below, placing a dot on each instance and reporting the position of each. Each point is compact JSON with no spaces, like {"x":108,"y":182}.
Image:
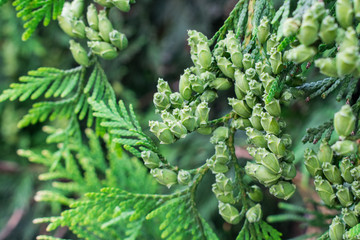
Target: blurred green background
{"x":157,"y":32}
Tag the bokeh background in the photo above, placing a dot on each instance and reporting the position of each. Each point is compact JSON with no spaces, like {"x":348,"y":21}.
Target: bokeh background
{"x":157,"y":32}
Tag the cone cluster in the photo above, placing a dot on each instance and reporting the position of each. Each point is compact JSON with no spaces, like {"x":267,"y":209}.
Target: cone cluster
{"x":317,"y":27}
{"x":103,"y":39}
{"x":337,"y":173}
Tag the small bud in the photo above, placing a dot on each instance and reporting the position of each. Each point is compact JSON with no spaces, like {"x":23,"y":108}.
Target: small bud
{"x":151,"y":159}
{"x":255,"y":193}
{"x":225,"y":66}
{"x":346,"y":61}
{"x":254,"y":214}
{"x":349,"y":217}
{"x":256,"y":88}
{"x":118,"y":39}
{"x":241,"y":81}
{"x":248,"y":61}
{"x":162,"y":132}
{"x":288,"y":170}
{"x":229,"y":213}
{"x":92,"y":17}
{"x":202,"y":113}
{"x":165,"y":177}
{"x":221,"y":84}
{"x":291,"y":27}
{"x":344,"y":148}
{"x":77,"y":7}
{"x":216,"y":167}
{"x":208,"y":96}
{"x":240,"y":123}
{"x":344,"y":121}
{"x":270,"y":161}
{"x":269,"y":123}
{"x":122,"y":5}
{"x":300,"y":54}
{"x":275,"y":144}
{"x":240,"y":107}
{"x":251,"y":99}
{"x":105,"y":26}
{"x":271,"y":43}
{"x":328,"y":30}
{"x":66,"y":24}
{"x":276,"y":61}
{"x":308,"y":30}
{"x":345,"y":168}
{"x":312,"y":163}
{"x":256,"y":137}
{"x":344,"y":13}
{"x":184,"y":85}
{"x":178,"y":129}
{"x":325,"y":153}
{"x":283,"y":190}
{"x":327,"y":66}
{"x":273,"y":107}
{"x":263,"y":30}
{"x":325,"y":191}
{"x":161,"y":101}
{"x":103,"y":49}
{"x":184,"y":177}
{"x":344,"y":195}
{"x":79,"y":53}
{"x":332,"y":173}
{"x":91,"y":34}
{"x":261,"y":173}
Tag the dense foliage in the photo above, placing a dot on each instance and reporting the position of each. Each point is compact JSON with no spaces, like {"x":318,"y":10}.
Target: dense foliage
{"x":240,"y":90}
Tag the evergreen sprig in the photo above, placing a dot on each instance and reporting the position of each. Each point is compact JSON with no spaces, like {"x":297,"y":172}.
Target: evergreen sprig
{"x":32,"y":12}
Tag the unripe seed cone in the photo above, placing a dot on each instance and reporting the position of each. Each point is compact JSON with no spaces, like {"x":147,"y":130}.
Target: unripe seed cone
{"x":164,"y":176}
{"x":345,"y":169}
{"x":184,"y":177}
{"x":300,"y":54}
{"x":337,"y":229}
{"x":105,"y":26}
{"x":240,"y":107}
{"x":346,"y":61}
{"x":229,"y":213}
{"x":91,"y":34}
{"x":77,"y":7}
{"x":92,"y":17}
{"x":332,"y":173}
{"x":291,"y":27}
{"x":184,"y":85}
{"x":248,"y":61}
{"x":312,"y":163}
{"x":103,"y":49}
{"x":345,"y":148}
{"x":66,"y":25}
{"x":255,"y":193}
{"x":256,"y":137}
{"x":344,"y":13}
{"x":225,"y":66}
{"x":275,"y":144}
{"x":349,"y":217}
{"x":118,"y":39}
{"x":328,"y":30}
{"x":79,"y":53}
{"x":325,"y":191}
{"x":241,"y":81}
{"x":283,"y":190}
{"x":122,"y":5}
{"x":344,"y":196}
{"x":327,"y":66}
{"x":344,"y":121}
{"x":308,"y":30}
{"x":151,"y":159}
{"x":254,"y":214}
{"x":288,"y":170}
{"x":325,"y":153}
